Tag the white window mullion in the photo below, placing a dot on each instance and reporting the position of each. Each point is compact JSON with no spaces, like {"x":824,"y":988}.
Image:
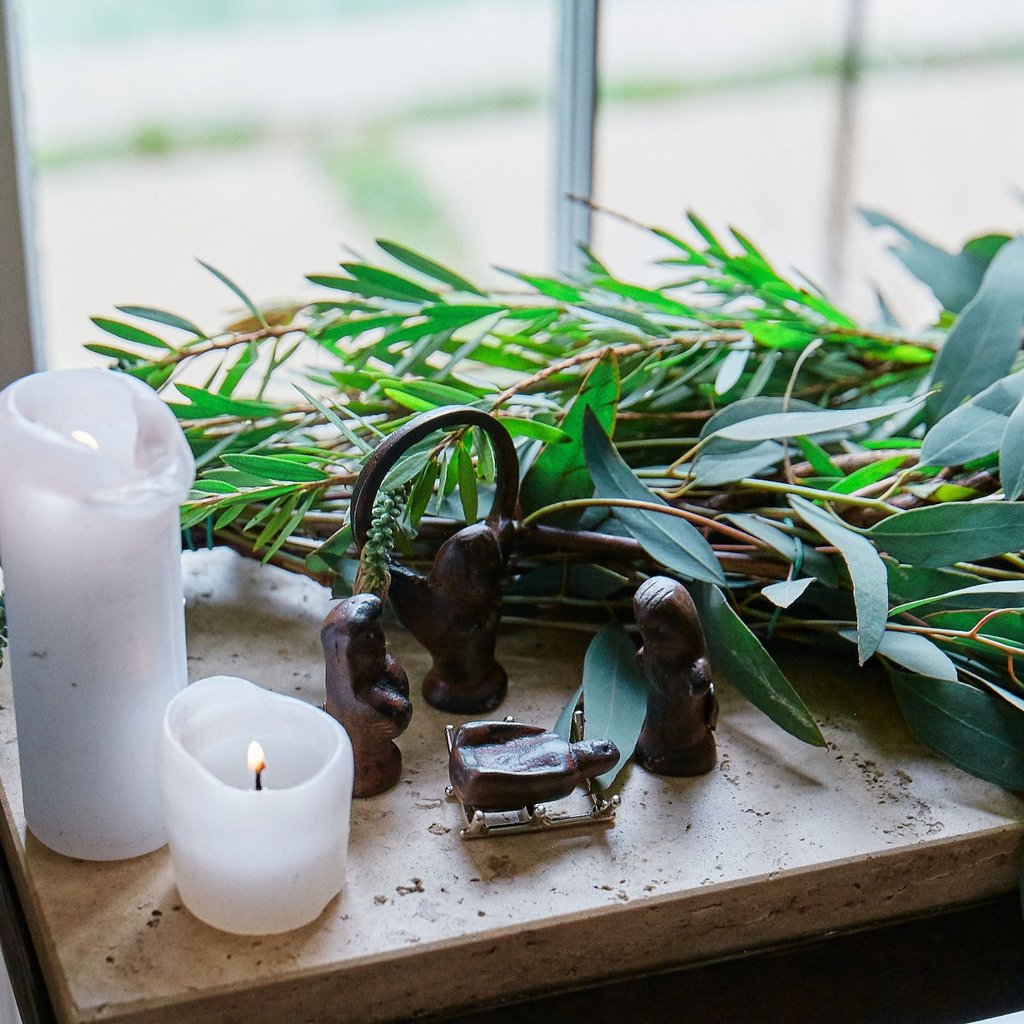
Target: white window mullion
{"x":576,"y":108}
{"x":20,"y":336}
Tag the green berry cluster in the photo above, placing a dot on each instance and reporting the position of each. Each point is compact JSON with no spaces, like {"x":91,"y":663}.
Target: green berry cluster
{"x":373,"y":576}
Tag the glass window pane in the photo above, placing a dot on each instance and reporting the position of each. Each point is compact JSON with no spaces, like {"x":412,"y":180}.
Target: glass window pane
{"x":731,"y":108}
{"x":266,"y":137}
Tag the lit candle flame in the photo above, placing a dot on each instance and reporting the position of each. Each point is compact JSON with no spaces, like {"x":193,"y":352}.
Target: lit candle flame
{"x":84,"y":437}
{"x":255,"y":757}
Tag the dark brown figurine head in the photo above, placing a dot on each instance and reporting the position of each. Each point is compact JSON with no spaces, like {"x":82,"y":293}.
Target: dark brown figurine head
{"x":367,"y":690}
{"x":677,"y":736}
{"x":669,"y":624}
{"x":454,"y":611}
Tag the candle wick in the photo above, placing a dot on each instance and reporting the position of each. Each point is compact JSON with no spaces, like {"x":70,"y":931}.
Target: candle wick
{"x":259,"y":779}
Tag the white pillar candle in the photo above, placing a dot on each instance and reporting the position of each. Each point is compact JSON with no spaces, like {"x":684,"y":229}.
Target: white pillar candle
{"x":250,"y":861}
{"x":93,"y":468}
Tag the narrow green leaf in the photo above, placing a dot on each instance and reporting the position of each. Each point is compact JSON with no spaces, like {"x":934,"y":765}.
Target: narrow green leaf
{"x":668,"y":539}
{"x":161,"y":316}
{"x":975,"y":730}
{"x":408,"y":401}
{"x":519,"y":427}
{"x":332,"y":551}
{"x":614,"y":695}
{"x":985,"y":339}
{"x":428,"y":267}
{"x":241,"y":295}
{"x":867,"y":574}
{"x":336,"y":421}
{"x":558,"y":290}
{"x":560,"y":471}
{"x":422,"y":492}
{"x":817,"y":457}
{"x":285,"y":531}
{"x":206,"y":405}
{"x":912,"y":651}
{"x":955,"y":531}
{"x":274,"y":523}
{"x":241,"y":366}
{"x":128,"y":332}
{"x":271,"y":467}
{"x":996,"y":587}
{"x":119,"y":355}
{"x":736,"y":655}
{"x":485,"y":467}
{"x":647,"y":296}
{"x":435,"y":394}
{"x":867,"y":475}
{"x":467,"y":484}
{"x":780,"y":336}
{"x":390,"y":286}
{"x":214,"y":487}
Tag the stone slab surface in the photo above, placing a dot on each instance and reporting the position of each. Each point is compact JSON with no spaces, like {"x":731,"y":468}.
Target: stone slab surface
{"x":781,"y":841}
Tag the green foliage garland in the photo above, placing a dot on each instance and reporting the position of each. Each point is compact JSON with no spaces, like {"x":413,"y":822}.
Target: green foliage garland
{"x":811,"y":477}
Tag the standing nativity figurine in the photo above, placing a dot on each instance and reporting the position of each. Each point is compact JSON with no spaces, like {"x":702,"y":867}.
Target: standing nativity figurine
{"x":367,"y":691}
{"x":677,"y":737}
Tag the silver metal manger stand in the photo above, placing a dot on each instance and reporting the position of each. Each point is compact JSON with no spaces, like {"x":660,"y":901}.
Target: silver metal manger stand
{"x":478,"y":824}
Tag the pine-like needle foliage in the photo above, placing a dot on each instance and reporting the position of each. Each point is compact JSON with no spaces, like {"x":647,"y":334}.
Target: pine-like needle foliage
{"x":811,"y":477}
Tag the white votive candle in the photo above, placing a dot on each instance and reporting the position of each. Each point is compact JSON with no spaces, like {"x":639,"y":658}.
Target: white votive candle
{"x":93,"y":467}
{"x":250,"y":861}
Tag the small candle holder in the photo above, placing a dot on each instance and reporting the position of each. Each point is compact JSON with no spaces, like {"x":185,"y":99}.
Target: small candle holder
{"x":482,"y":824}
{"x":259,"y":845}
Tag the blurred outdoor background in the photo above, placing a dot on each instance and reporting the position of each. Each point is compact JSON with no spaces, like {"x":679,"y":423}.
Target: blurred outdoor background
{"x":268,"y":137}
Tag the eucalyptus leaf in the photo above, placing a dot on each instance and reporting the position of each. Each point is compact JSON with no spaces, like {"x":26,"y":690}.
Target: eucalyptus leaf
{"x":955,"y":531}
{"x":986,"y":337}
{"x":669,"y":540}
{"x":822,"y":421}
{"x":785,"y":592}
{"x":976,"y":428}
{"x":736,"y":655}
{"x":997,"y":587}
{"x":867,"y":574}
{"x":793,"y":549}
{"x":913,"y":651}
{"x":614,"y":695}
{"x":719,"y":465}
{"x":954,"y":278}
{"x":975,"y":730}
{"x":1011,"y":455}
